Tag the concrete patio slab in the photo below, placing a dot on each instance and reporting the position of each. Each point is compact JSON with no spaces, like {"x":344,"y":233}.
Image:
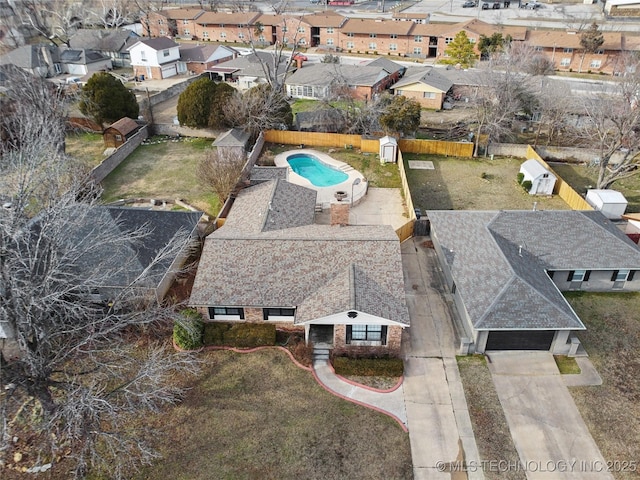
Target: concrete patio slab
{"x":588,"y":375}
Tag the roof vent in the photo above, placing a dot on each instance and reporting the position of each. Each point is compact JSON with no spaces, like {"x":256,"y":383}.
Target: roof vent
{"x":352,"y":314}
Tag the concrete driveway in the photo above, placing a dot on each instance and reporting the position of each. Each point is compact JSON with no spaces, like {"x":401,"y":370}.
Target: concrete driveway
{"x":552,"y":440}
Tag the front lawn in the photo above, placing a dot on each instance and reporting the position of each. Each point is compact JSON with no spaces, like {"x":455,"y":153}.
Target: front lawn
{"x":612,"y":340}
{"x":472,"y":184}
{"x":163,"y":170}
{"x":257,"y":415}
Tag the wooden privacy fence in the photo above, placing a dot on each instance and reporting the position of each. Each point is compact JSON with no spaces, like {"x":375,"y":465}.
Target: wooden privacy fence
{"x":406,"y":231}
{"x":562,"y":188}
{"x":436,"y":147}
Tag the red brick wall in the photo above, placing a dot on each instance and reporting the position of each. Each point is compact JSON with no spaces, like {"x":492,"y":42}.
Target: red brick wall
{"x":392,"y":348}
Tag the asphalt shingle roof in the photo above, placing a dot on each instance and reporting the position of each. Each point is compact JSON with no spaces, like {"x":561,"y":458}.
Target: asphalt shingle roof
{"x":429,"y":76}
{"x":499,"y":261}
{"x":324,"y":74}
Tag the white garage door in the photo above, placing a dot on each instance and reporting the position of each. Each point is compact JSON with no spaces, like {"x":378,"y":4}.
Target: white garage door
{"x":169,"y":71}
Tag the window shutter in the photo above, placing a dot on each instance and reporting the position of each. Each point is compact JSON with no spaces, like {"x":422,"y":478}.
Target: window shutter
{"x":570,"y":277}
{"x":383,"y":335}
{"x":586,"y":276}
{"x":265,"y":314}
{"x":630,"y":276}
{"x":211,"y":313}
{"x":348,"y":334}
{"x":614,"y":275}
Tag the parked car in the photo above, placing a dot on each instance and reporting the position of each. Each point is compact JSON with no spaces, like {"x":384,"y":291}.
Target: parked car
{"x":485,"y":6}
{"x":299,"y":56}
{"x":530,"y":5}
{"x":496,"y":5}
{"x":469,"y":4}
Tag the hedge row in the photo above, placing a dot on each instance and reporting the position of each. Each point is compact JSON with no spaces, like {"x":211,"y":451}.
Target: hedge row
{"x":369,"y":367}
{"x":242,"y":335}
{"x":187,"y":330}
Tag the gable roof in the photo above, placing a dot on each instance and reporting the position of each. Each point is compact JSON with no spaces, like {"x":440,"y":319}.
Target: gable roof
{"x":325,"y":74}
{"x":319,"y":269}
{"x":388,"y":65}
{"x":249,"y":65}
{"x":159,"y":43}
{"x":429,"y":76}
{"x":180,"y":13}
{"x":235,"y":137}
{"x":31,"y":56}
{"x":562,"y":39}
{"x":325,"y":19}
{"x":534,"y":168}
{"x":103,"y":40}
{"x":512,"y":251}
{"x":125,"y":126}
{"x":202,"y":53}
{"x":228,"y":18}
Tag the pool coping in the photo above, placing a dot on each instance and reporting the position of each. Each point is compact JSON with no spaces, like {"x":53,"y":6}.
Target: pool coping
{"x":328,"y":193}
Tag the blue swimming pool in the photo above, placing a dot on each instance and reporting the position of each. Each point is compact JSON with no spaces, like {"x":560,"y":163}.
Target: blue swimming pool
{"x":315,"y":171}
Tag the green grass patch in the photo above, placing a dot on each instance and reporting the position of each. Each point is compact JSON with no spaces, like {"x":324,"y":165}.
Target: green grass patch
{"x":368,"y":367}
{"x":567,"y":365}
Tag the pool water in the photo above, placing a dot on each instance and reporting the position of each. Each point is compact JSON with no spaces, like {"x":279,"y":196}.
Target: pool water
{"x":315,"y":171}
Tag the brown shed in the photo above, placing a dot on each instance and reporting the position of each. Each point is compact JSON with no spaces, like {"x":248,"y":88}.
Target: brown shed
{"x":119,"y":132}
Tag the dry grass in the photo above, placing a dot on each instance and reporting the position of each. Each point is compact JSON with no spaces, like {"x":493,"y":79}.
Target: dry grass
{"x":487,"y":417}
{"x":258,"y":416}
{"x":165,"y":170}
{"x":85,"y":146}
{"x":472,"y":184}
{"x":567,"y":365}
{"x":612,"y":340}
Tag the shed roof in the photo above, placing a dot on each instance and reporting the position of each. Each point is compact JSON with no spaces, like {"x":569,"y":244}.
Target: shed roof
{"x":607,"y":196}
{"x":125,"y":126}
{"x":534,"y":168}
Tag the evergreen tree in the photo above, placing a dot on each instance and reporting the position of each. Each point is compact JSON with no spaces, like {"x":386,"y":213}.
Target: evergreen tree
{"x":590,"y":40}
{"x":203,"y":104}
{"x":460,"y":51}
{"x":105,"y":99}
{"x":402,"y":115}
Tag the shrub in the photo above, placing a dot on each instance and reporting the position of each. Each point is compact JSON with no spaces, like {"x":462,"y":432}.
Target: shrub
{"x":370,"y":367}
{"x":214,"y":333}
{"x":520,"y":178}
{"x":187,"y":330}
{"x":527,"y":185}
{"x":484,"y":176}
{"x":249,"y":335}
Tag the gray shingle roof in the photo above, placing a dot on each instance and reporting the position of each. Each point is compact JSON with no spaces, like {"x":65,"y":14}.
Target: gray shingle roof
{"x":319,"y":269}
{"x":31,"y":56}
{"x":235,"y":137}
{"x":324,"y":74}
{"x":389,"y":65}
{"x":160,"y":43}
{"x":499,"y":261}
{"x":262,"y":174}
{"x":104,"y":40}
{"x":429,"y":76}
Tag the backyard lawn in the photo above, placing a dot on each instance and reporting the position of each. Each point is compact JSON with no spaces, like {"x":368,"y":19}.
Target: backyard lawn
{"x":257,"y":415}
{"x":162,"y":170}
{"x":582,"y":177}
{"x":612,"y":340}
{"x":379,"y":175}
{"x":87,"y":147}
{"x":472,"y":184}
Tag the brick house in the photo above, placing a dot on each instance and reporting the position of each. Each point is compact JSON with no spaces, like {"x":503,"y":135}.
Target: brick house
{"x":324,"y":28}
{"x":176,"y":22}
{"x":155,"y":58}
{"x":269,"y":262}
{"x":225,"y":26}
{"x":377,"y":36}
{"x":425,"y":85}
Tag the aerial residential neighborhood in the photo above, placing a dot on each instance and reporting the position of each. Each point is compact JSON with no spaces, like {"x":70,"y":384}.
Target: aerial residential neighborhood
{"x":319,"y":239}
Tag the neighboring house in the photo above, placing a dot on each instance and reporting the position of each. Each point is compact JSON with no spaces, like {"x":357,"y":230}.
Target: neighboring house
{"x":270,"y":263}
{"x":119,"y":132}
{"x":364,"y":35}
{"x":200,"y":58}
{"x":84,"y":62}
{"x":506,"y":271}
{"x":270,"y":28}
{"x":155,"y":58}
{"x":248,"y":71}
{"x":321,"y":80}
{"x":565,"y":52}
{"x":622,"y":8}
{"x":39,"y":60}
{"x":425,"y":85}
{"x":112,"y":43}
{"x":414,"y":17}
{"x":172,"y":22}
{"x":543,"y":181}
{"x":225,"y":26}
{"x":324,"y":28}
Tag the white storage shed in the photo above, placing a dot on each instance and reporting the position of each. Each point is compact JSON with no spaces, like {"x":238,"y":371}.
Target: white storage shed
{"x":542,"y":180}
{"x":611,"y":203}
{"x":388,"y":149}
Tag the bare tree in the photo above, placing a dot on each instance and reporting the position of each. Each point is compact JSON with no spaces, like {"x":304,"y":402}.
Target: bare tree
{"x":258,"y":109}
{"x":144,"y":10}
{"x":591,"y":40}
{"x":51,"y":19}
{"x":112,"y":13}
{"x":221,"y":171}
{"x":76,"y":384}
{"x":612,"y":126}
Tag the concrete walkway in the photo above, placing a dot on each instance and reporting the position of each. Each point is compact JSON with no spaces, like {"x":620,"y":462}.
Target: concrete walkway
{"x":552,"y":440}
{"x":389,"y":403}
{"x":439,"y":424}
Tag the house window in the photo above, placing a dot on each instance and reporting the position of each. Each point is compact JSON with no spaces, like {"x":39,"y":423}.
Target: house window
{"x":600,"y":52}
{"x":162,"y":32}
{"x":221,"y":25}
{"x":118,"y":138}
{"x":350,"y":34}
{"x":538,"y":49}
{"x":624,"y":275}
{"x":143,"y":56}
{"x":595,"y":63}
{"x":187,"y":32}
{"x":240,"y":35}
{"x":329,"y":41}
{"x":372,"y":35}
{"x":417,"y":50}
{"x":472,"y":40}
{"x":161,"y":22}
{"x":373,"y":46}
{"x":448,"y":40}
{"x":284,"y":28}
{"x":417,"y":38}
{"x":329,"y":29}
{"x":300,"y":29}
{"x":578,"y":276}
{"x":393,"y":36}
{"x":261,"y":38}
{"x":567,"y":50}
{"x":205,"y":34}
{"x":565,"y":62}
{"x":302,"y":41}
{"x":428,"y":95}
{"x":185,"y":22}
{"x":366,"y":333}
{"x":278,"y":313}
{"x":350,"y":45}
{"x":393,"y":47}
{"x":165,"y":53}
{"x":223,"y":35}
{"x":226,"y":313}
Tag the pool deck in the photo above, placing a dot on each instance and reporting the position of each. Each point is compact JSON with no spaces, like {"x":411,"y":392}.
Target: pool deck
{"x":355,"y":185}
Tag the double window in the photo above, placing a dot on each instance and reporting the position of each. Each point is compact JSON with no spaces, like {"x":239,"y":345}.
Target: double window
{"x":226,"y":313}
{"x":579,"y":276}
{"x":367,"y":333}
{"x":278,"y":313}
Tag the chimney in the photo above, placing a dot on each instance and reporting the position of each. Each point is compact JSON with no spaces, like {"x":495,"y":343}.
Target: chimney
{"x":299,"y":62}
{"x":339,"y":213}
